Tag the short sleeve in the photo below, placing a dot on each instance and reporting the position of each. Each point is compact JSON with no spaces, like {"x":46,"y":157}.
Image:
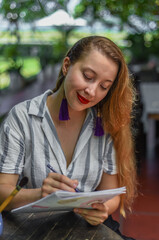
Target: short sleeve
{"x":11,"y":145}
{"x":109,"y":157}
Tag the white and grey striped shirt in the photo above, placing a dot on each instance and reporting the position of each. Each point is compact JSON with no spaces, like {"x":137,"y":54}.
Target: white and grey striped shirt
{"x":28,"y":141}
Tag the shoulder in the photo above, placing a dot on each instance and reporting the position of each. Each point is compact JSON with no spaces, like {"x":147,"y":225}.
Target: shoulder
{"x":20,"y":113}
{"x":31,"y":106}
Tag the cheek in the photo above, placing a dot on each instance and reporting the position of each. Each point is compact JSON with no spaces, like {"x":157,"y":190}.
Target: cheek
{"x":101,"y":95}
{"x":70,"y":86}
{"x":74,"y":81}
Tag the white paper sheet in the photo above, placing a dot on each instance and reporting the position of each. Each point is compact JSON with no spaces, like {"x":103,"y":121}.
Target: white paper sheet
{"x":67,"y":201}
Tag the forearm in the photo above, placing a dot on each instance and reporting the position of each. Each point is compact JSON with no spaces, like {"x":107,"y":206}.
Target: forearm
{"x":24,"y":196}
{"x":113,"y":204}
{"x":110,"y":182}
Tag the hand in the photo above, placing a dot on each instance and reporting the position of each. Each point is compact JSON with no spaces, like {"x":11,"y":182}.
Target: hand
{"x":56,"y":181}
{"x":94,"y":216}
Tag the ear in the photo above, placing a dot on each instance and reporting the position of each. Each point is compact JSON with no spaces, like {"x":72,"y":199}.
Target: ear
{"x":65,"y":66}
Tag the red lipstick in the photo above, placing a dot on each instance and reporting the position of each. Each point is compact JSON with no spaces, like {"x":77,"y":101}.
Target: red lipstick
{"x":82,"y":99}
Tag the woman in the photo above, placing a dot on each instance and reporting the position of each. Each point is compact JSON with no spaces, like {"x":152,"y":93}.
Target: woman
{"x":82,"y":128}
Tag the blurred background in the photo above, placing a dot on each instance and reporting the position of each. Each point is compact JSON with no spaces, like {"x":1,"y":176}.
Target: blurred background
{"x":35,"y":35}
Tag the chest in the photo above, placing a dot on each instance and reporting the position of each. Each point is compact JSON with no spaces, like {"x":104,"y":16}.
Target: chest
{"x":68,"y":136}
{"x":62,"y":145}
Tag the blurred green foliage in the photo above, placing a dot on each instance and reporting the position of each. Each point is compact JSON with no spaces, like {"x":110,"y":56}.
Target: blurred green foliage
{"x":143,"y":46}
{"x":133,"y":25}
{"x":31,"y":67}
{"x":145,"y":10}
{"x":27,"y":10}
{"x":140,"y":19}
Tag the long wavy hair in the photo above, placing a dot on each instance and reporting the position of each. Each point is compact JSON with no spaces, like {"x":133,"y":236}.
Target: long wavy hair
{"x":116,"y":109}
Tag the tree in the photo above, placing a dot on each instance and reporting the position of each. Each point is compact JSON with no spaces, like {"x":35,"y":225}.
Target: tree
{"x":17,"y":11}
{"x":132,"y":14}
{"x":139,"y":19}
{"x":28,"y":11}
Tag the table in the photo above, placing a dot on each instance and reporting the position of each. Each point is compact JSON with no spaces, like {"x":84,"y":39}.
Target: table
{"x":150,"y":99}
{"x":48,"y":226}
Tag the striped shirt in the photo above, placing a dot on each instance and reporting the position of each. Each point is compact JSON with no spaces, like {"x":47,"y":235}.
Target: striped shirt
{"x":29,"y":141}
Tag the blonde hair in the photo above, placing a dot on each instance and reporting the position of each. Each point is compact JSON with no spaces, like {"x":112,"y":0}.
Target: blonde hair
{"x":116,"y":110}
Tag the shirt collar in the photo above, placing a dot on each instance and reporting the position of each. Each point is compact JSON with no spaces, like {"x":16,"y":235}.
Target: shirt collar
{"x":37,"y":106}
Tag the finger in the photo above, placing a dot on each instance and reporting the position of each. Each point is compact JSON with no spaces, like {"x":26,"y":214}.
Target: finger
{"x":93,"y":220}
{"x":88,"y":212}
{"x":64,"y":179}
{"x":61,"y":182}
{"x":94,"y":223}
{"x":92,"y":217}
{"x":92,"y":214}
{"x":100,"y":206}
{"x":48,"y":190}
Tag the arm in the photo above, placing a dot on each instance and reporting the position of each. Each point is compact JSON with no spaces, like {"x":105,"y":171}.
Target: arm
{"x":52,"y":183}
{"x":109,"y":182}
{"x":24,"y":196}
{"x":100,"y":212}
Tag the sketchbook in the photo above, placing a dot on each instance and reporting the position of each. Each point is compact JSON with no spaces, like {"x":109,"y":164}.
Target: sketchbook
{"x":67,"y":201}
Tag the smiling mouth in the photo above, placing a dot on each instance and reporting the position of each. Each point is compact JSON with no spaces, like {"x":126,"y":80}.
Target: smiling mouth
{"x":82,"y":99}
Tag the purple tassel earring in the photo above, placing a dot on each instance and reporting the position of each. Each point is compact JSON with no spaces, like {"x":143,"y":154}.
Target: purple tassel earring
{"x":64,"y":114}
{"x":98,"y":131}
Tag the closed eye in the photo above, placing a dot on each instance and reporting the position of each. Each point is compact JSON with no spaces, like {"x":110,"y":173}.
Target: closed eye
{"x":87,"y":77}
{"x":104,"y":88}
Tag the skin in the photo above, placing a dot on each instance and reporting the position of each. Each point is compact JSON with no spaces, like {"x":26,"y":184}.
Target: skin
{"x":90,"y":78}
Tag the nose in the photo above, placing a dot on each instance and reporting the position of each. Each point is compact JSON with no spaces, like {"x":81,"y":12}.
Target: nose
{"x":91,"y":90}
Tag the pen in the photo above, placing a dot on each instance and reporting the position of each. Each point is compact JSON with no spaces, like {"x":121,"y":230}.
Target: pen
{"x":52,"y":169}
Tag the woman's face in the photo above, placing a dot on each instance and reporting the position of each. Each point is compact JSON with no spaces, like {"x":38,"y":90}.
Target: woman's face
{"x":88,"y":81}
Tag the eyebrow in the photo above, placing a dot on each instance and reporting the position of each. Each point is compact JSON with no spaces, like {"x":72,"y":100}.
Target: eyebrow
{"x":90,"y":69}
